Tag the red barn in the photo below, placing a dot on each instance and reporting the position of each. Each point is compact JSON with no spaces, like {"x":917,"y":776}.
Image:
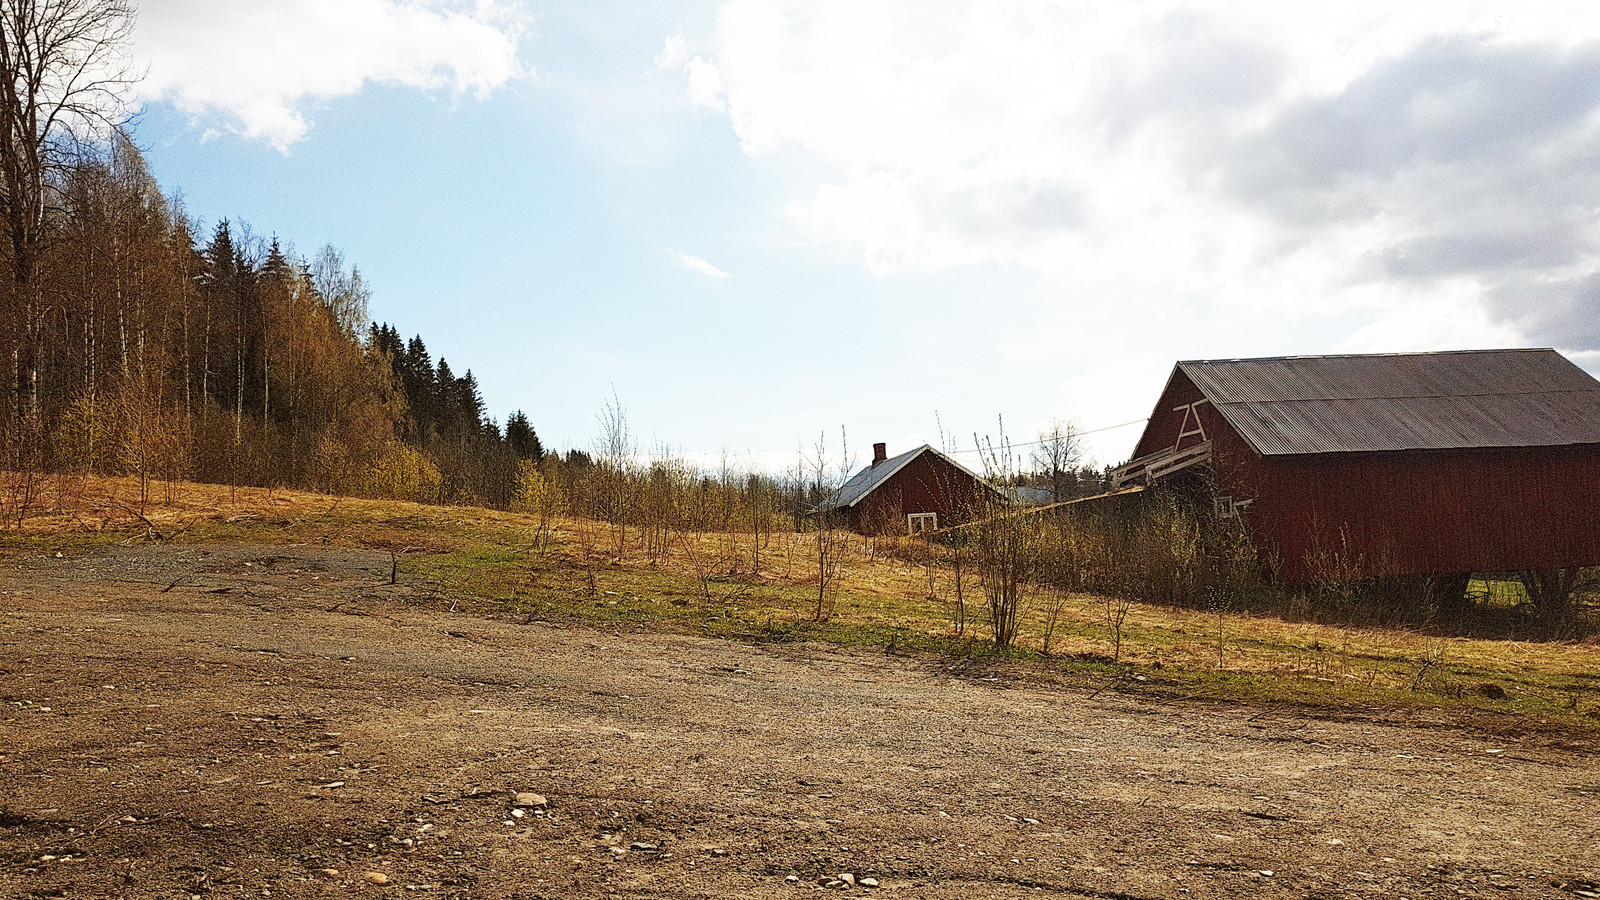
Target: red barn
{"x":1391,"y":464}
{"x":919,"y":490}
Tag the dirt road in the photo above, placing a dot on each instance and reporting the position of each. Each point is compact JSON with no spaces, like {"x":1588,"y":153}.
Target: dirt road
{"x":248,"y":721}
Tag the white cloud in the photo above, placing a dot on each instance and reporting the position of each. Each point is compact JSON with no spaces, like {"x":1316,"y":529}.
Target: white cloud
{"x":704,"y":78}
{"x":674,"y":52}
{"x":257,"y":66}
{"x":1421,"y":163}
{"x":697,"y":264}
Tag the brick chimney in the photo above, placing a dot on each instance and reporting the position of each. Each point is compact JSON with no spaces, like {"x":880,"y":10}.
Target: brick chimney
{"x":880,"y":452}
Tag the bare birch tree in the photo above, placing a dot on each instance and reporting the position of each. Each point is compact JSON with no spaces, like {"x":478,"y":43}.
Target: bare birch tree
{"x":345,"y":293}
{"x":616,"y":452}
{"x":64,"y":74}
{"x":1056,"y":456}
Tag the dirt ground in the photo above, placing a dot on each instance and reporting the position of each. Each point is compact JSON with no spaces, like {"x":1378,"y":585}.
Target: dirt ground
{"x":249,"y":721}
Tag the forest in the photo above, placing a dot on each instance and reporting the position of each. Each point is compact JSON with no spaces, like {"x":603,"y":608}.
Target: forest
{"x":141,"y":348}
{"x":134,"y":341}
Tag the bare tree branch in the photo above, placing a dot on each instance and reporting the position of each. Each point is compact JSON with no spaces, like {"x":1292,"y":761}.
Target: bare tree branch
{"x":1056,"y":456}
{"x":64,"y":77}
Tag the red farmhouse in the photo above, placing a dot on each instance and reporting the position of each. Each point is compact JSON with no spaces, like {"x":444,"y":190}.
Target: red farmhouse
{"x":1393,"y":464}
{"x":918,"y":490}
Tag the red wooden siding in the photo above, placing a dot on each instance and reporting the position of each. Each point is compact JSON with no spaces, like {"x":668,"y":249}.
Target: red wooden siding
{"x":1401,"y":512}
{"x":1167,"y":421}
{"x":1417,"y":512}
{"x":926,"y":484}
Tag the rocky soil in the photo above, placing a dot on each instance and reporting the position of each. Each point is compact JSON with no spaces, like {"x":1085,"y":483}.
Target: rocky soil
{"x":246,"y":721}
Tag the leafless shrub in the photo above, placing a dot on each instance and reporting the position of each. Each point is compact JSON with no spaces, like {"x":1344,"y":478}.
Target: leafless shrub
{"x":20,"y":493}
{"x":830,"y":540}
{"x":616,"y":452}
{"x":1006,"y":547}
{"x":960,"y":562}
{"x":660,"y":505}
{"x":1155,"y":547}
{"x":1057,"y":600}
{"x":701,"y":574}
{"x":1116,"y":615}
{"x":758,"y":495}
{"x":539,"y":494}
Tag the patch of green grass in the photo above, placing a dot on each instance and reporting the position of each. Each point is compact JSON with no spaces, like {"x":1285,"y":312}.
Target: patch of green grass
{"x":68,"y":543}
{"x":495,"y":559}
{"x":1284,"y":668}
{"x":1497,"y":593}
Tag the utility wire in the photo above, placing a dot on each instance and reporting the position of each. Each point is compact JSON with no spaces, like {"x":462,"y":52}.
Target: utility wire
{"x":1078,"y":434}
{"x":954,"y":452}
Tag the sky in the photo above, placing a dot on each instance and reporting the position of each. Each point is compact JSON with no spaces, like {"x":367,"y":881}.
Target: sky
{"x":760,"y":225}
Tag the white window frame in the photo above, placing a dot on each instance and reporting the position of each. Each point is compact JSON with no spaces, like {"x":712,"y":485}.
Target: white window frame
{"x":932,"y":518}
{"x":1229,"y":508}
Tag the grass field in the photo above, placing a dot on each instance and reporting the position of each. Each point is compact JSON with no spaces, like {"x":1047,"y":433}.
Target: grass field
{"x":722,"y":584}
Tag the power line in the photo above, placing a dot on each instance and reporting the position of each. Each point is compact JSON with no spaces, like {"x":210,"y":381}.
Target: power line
{"x":773,"y":453}
{"x":1079,"y":434}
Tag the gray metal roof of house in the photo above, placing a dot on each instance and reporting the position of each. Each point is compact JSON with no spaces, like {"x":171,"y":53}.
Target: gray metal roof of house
{"x":1029,"y":496}
{"x":1403,"y":401}
{"x":872,"y":477}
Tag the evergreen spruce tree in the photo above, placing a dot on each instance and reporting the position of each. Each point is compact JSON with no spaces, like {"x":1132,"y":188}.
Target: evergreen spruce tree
{"x":521,"y":439}
{"x":446,"y":414}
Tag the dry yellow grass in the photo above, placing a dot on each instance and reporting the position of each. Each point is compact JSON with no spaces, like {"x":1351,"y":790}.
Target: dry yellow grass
{"x":885,"y":584}
{"x":74,"y":503}
{"x":884,"y":589}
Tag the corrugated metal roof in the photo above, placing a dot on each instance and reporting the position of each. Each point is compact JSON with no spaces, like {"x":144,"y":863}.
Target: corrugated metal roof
{"x":1029,"y":496}
{"x":1403,"y":401}
{"x":869,"y":479}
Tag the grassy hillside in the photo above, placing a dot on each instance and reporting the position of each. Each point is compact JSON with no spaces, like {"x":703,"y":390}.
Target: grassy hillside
{"x":736,"y":586}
